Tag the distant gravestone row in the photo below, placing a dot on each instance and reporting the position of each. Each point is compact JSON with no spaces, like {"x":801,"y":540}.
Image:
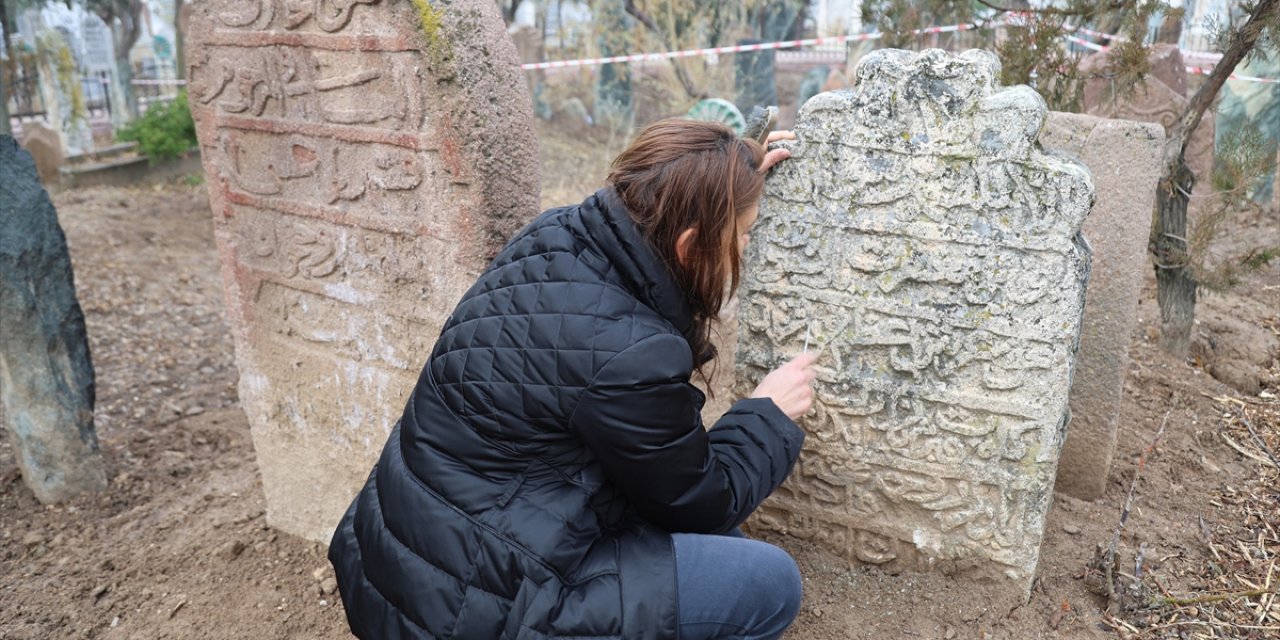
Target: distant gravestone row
{"x":364,"y":160}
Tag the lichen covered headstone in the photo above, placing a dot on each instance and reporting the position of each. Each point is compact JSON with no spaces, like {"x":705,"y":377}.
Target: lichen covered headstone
{"x":46,"y":377}
{"x":364,"y":160}
{"x":922,"y":243}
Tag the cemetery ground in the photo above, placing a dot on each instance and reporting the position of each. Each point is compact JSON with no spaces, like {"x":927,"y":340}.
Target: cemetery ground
{"x":178,"y":546}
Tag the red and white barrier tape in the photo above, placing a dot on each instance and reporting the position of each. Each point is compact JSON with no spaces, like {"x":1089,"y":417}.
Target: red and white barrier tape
{"x":1023,"y":19}
{"x":1235,"y":76}
{"x":808,"y":42}
{"x":859,"y":37}
{"x":1093,"y":46}
{"x":762,"y":46}
{"x":1204,"y":71}
{"x":1098,"y":34}
{"x":1186,"y":53}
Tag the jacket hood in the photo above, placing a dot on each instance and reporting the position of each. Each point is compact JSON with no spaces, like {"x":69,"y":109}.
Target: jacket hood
{"x":618,"y":237}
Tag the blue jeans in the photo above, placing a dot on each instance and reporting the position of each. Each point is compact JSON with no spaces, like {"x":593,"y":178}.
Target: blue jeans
{"x":730,"y":587}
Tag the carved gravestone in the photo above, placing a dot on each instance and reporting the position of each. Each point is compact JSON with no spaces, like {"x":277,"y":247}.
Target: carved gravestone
{"x":1124,"y":159}
{"x":99,"y":47}
{"x":364,"y":159}
{"x":46,"y":377}
{"x":921,"y":242}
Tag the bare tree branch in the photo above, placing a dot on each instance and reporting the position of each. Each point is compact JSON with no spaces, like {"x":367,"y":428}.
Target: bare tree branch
{"x":644,"y":18}
{"x":1180,"y":136}
{"x":1044,"y":11}
{"x":992,"y":5}
{"x":682,"y":75}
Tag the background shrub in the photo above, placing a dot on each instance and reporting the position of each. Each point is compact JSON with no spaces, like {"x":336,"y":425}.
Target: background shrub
{"x":165,"y":131}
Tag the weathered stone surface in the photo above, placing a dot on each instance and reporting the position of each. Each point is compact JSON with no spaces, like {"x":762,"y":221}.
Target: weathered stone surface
{"x":364,"y":160}
{"x":45,"y":146}
{"x":1124,"y":159}
{"x":46,"y":377}
{"x":922,"y":243}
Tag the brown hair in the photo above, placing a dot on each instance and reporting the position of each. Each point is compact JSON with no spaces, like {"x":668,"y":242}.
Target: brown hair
{"x":685,"y":174}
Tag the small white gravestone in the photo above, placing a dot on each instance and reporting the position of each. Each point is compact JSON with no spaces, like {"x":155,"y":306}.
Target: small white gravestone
{"x":99,"y":49}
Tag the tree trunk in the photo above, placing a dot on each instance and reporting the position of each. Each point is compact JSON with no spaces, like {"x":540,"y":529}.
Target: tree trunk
{"x":1176,"y":288}
{"x":130,"y":92}
{"x":509,"y":10}
{"x":1168,"y":243}
{"x":8,"y":51}
{"x":124,"y":71}
{"x":6,"y":23}
{"x":179,"y":41}
{"x":4,"y":107}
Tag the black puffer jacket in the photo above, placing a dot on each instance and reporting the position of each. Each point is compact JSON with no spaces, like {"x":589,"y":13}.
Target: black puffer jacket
{"x":552,"y":442}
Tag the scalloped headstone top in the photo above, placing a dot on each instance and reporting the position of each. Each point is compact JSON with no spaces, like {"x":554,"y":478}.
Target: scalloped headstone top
{"x":925,"y":246}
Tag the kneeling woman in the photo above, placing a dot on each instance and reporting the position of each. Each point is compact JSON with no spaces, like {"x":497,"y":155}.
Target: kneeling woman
{"x":550,"y":476}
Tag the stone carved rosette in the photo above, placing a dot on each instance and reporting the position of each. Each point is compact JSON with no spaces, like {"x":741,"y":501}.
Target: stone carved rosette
{"x":365,"y":158}
{"x":925,"y":246}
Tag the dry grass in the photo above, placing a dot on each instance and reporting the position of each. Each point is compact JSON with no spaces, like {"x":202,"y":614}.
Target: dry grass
{"x":1232,"y":592}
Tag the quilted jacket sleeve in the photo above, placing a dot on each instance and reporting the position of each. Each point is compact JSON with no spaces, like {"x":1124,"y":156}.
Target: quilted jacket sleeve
{"x":640,"y":418}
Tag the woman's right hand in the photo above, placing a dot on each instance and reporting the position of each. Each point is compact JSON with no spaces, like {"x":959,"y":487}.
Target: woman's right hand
{"x":790,"y":386}
{"x":774,"y":156}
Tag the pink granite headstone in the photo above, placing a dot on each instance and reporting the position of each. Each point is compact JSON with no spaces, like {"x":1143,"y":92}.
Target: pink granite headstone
{"x":365,"y":158}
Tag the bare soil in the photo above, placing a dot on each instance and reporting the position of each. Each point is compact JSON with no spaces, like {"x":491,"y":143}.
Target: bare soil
{"x":178,"y":548}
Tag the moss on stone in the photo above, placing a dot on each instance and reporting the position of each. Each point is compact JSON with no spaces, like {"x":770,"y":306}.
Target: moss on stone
{"x":68,"y":82}
{"x":432,"y":23}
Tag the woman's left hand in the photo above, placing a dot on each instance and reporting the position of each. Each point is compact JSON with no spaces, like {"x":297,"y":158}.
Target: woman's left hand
{"x":777,"y":155}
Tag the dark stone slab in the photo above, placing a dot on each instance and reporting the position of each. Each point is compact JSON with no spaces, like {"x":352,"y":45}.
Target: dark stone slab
{"x":46,"y":377}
